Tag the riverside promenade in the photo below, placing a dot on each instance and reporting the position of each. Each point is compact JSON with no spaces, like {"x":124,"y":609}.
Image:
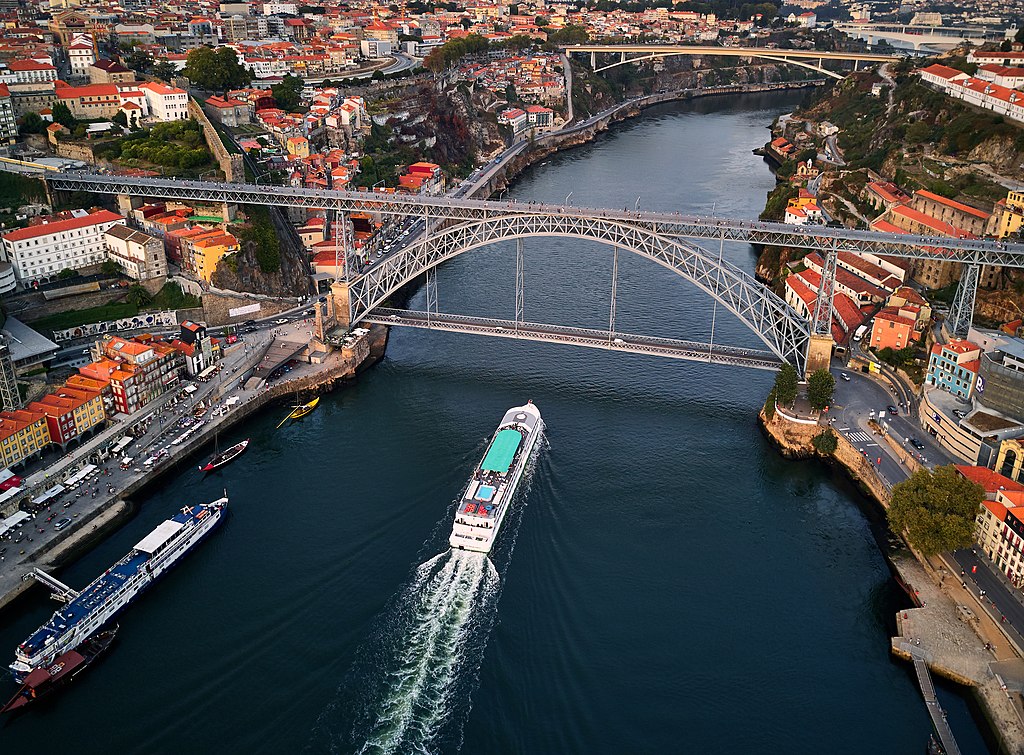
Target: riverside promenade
{"x":94,"y":516}
{"x":948,"y":629}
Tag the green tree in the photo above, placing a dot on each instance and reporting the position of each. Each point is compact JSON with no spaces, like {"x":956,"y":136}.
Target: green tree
{"x":216,"y":70}
{"x":109,"y":267}
{"x":288,"y":94}
{"x":32,"y":123}
{"x":139,"y":296}
{"x":466,"y":23}
{"x":67,"y":273}
{"x":820,"y":388}
{"x":62,"y":115}
{"x":769,"y":405}
{"x":936,"y":508}
{"x":786,"y":380}
{"x":165,"y":70}
{"x":510,"y":93}
{"x":138,"y":60}
{"x":825,"y":441}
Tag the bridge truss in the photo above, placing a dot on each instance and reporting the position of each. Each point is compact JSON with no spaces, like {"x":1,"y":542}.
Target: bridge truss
{"x":659,"y":235}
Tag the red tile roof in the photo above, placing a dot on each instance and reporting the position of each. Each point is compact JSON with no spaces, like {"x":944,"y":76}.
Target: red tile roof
{"x":59,"y":226}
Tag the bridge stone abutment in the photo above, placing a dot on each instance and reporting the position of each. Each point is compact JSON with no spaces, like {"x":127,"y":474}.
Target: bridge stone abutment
{"x":341,"y":300}
{"x":819,"y":353}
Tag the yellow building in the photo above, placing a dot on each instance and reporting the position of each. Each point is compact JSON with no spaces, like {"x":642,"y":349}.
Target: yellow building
{"x":22,"y":434}
{"x":298,"y":146}
{"x":1008,"y":216}
{"x":88,"y":410}
{"x":208,"y":251}
{"x":1010,"y":459}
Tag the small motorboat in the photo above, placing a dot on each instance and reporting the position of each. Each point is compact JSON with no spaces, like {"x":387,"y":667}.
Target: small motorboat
{"x":225,"y":457}
{"x":64,"y":668}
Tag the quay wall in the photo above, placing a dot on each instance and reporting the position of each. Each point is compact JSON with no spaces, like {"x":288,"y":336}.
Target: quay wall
{"x":112,"y":513}
{"x":953,"y":642}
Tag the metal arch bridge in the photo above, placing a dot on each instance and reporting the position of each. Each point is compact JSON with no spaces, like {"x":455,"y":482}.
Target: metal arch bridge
{"x":460,"y":224}
{"x":641,"y":53}
{"x":783,"y":331}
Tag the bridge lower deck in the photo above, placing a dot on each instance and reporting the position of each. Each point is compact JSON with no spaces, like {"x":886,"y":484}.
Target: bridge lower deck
{"x":589,"y":337}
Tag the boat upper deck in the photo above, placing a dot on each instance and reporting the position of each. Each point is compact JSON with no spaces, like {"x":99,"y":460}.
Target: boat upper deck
{"x":111,"y":581}
{"x":91,"y":598}
{"x":483,"y":497}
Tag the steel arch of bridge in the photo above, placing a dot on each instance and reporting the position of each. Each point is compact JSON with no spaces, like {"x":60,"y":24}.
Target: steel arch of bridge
{"x":776,"y":58}
{"x":777,"y":324}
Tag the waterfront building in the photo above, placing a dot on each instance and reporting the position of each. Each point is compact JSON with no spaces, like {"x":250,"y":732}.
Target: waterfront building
{"x":24,"y":433}
{"x":973,"y":435}
{"x":515,"y":118}
{"x":954,"y":367}
{"x":199,"y":350}
{"x":1010,"y":460}
{"x":139,"y":255}
{"x":1000,"y":383}
{"x":40,"y":252}
{"x":139,"y":370}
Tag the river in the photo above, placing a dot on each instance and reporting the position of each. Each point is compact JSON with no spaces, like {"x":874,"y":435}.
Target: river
{"x":667,"y":583}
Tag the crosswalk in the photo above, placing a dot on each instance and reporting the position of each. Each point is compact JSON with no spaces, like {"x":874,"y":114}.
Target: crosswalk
{"x":859,"y":436}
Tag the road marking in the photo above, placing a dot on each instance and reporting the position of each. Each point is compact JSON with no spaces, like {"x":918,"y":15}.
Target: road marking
{"x":860,"y":436}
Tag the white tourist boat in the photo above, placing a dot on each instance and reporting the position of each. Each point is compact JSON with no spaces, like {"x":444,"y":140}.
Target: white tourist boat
{"x":488,"y":497}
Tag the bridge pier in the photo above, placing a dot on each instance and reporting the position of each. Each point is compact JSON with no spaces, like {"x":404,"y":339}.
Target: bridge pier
{"x":961,"y":311}
{"x":342,"y":302}
{"x":593,"y":60}
{"x":126,"y":203}
{"x":819,"y":353}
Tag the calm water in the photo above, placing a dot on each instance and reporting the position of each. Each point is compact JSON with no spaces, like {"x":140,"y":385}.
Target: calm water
{"x":667,"y":583}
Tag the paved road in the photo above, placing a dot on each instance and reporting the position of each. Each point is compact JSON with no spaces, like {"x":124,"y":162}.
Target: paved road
{"x":1001,"y":599}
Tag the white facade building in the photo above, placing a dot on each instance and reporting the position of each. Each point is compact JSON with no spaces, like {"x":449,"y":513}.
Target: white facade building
{"x":138,"y":254}
{"x":165,"y":103}
{"x":81,"y":55}
{"x":40,"y":252}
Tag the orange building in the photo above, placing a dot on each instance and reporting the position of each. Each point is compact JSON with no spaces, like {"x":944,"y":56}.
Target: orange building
{"x":22,"y":433}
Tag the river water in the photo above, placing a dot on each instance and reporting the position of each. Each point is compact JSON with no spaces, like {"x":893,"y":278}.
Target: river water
{"x":667,"y":583}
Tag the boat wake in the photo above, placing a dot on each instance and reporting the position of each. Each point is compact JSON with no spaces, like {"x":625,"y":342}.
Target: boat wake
{"x":410,"y":687}
{"x":449,"y":611}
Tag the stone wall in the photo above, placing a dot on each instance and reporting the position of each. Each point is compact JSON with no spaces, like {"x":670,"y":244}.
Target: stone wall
{"x":216,"y":306}
{"x":230,"y":163}
{"x":75,"y":151}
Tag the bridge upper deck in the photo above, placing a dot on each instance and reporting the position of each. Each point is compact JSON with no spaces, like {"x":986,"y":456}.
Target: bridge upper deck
{"x":448,"y":208}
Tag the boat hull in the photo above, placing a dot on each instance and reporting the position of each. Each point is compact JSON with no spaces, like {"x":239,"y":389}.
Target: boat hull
{"x":117,"y":600}
{"x":56,"y":677}
{"x":222,"y":460}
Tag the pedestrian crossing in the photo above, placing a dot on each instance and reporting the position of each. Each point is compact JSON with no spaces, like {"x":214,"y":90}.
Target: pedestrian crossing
{"x":859,"y":436}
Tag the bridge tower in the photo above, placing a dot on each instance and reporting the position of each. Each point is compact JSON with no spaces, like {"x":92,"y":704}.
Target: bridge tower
{"x":819,"y":348}
{"x":961,"y":311}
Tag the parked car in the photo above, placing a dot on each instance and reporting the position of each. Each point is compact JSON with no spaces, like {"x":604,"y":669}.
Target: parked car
{"x":280,"y":321}
{"x":917,"y":444}
{"x":61,"y":524}
{"x":960,"y":413}
{"x":844,"y":376}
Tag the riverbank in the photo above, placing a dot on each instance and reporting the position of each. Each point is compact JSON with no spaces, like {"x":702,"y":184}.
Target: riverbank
{"x":577,"y":135}
{"x":340,"y":367}
{"x":958,"y":640}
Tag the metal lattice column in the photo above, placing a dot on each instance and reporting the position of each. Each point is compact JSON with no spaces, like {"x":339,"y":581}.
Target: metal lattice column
{"x":520,"y":284}
{"x":961,"y":312}
{"x":431,"y":293}
{"x":821,"y":324}
{"x":9,"y":395}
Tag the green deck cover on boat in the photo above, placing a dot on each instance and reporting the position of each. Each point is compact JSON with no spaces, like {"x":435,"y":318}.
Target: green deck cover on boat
{"x":503,"y":449}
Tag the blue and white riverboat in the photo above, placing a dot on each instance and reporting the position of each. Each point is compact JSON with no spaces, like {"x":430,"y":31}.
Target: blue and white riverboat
{"x":106,"y":595}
